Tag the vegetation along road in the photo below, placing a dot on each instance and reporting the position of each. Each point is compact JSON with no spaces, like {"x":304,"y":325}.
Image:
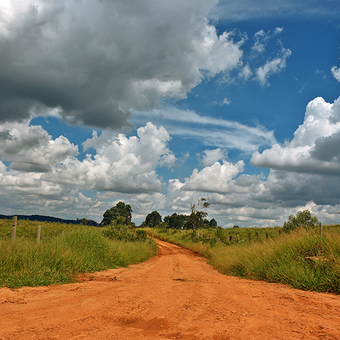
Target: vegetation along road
{"x":174,"y":295}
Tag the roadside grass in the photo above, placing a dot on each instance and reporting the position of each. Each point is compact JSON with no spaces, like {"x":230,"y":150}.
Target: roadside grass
{"x":63,"y":252}
{"x":302,"y":259}
{"x":28,"y":229}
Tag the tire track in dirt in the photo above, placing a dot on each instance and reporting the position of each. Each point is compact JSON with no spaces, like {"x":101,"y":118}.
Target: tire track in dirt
{"x":174,"y":295}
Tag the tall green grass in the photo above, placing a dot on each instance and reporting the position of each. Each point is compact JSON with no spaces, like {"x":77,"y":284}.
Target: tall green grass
{"x":302,"y":259}
{"x":28,"y":229}
{"x":63,"y":252}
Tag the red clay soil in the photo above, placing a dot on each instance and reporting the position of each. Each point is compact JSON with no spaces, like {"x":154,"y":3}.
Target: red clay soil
{"x":174,"y":295}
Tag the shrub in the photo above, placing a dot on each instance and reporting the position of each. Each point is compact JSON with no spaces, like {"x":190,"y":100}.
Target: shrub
{"x":121,"y":232}
{"x":302,"y":219}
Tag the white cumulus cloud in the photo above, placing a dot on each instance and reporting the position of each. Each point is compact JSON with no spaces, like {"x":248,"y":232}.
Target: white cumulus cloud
{"x":214,"y":178}
{"x":315,"y":146}
{"x":94,"y":61}
{"x":31,"y":148}
{"x":121,"y":164}
{"x":42,"y":174}
{"x":212,"y":156}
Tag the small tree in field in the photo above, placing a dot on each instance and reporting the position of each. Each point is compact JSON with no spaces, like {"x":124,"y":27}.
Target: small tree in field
{"x":153,"y":219}
{"x":302,"y":219}
{"x":176,"y":221}
{"x":119,"y":210}
{"x":196,"y":212}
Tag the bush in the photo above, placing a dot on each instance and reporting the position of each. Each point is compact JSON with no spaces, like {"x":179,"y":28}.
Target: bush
{"x":121,"y":232}
{"x":141,"y":235}
{"x":302,"y":219}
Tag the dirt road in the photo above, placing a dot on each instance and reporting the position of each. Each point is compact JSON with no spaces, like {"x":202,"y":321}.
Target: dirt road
{"x":175,"y":295}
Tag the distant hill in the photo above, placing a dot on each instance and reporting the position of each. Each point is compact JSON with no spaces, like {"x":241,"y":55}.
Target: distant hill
{"x":42,"y":218}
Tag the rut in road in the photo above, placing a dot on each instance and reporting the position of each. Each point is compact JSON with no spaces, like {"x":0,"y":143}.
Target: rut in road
{"x":175,"y":295}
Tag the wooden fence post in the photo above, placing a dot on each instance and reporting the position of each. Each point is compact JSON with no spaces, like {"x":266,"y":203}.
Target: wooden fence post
{"x":258,"y":236}
{"x":267,"y":236}
{"x":14,"y":228}
{"x":38,"y":234}
{"x":237,"y":237}
{"x":320,"y":230}
{"x":249,"y":237}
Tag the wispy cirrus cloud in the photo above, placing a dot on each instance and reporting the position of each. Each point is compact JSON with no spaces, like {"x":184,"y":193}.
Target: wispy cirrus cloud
{"x":225,"y":101}
{"x":261,"y":64}
{"x":272,"y":66}
{"x":210,"y":131}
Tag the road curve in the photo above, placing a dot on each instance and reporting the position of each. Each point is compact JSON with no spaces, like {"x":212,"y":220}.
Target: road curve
{"x":175,"y":295}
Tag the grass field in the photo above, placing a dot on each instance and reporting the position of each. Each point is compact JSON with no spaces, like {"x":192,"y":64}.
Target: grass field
{"x":64,"y":251}
{"x":302,"y":259}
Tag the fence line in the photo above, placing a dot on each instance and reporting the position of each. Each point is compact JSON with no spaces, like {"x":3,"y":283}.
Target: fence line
{"x":14,"y":230}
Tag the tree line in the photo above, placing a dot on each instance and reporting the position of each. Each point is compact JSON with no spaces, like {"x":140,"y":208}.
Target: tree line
{"x":197,"y":219}
{"x":121,"y":214}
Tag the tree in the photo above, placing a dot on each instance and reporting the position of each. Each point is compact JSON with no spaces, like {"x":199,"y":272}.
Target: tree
{"x":119,"y":210}
{"x":302,"y":219}
{"x":84,"y":221}
{"x":212,"y":223}
{"x":176,"y":221}
{"x":196,"y":212}
{"x":153,"y":219}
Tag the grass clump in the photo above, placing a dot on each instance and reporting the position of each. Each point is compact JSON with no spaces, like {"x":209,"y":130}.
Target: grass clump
{"x":62,"y":254}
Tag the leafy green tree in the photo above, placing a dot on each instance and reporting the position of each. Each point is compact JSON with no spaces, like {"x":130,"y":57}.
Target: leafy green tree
{"x":219,"y":232}
{"x":212,"y":223}
{"x":197,"y":214}
{"x":176,"y":221}
{"x":302,"y":219}
{"x":153,"y":219}
{"x":119,"y":210}
{"x":204,"y":223}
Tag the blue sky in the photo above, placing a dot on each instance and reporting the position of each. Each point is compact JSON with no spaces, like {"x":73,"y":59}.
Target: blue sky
{"x":160,"y":103}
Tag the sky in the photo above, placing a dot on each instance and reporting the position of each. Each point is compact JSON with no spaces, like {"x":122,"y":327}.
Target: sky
{"x":159,"y":103}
